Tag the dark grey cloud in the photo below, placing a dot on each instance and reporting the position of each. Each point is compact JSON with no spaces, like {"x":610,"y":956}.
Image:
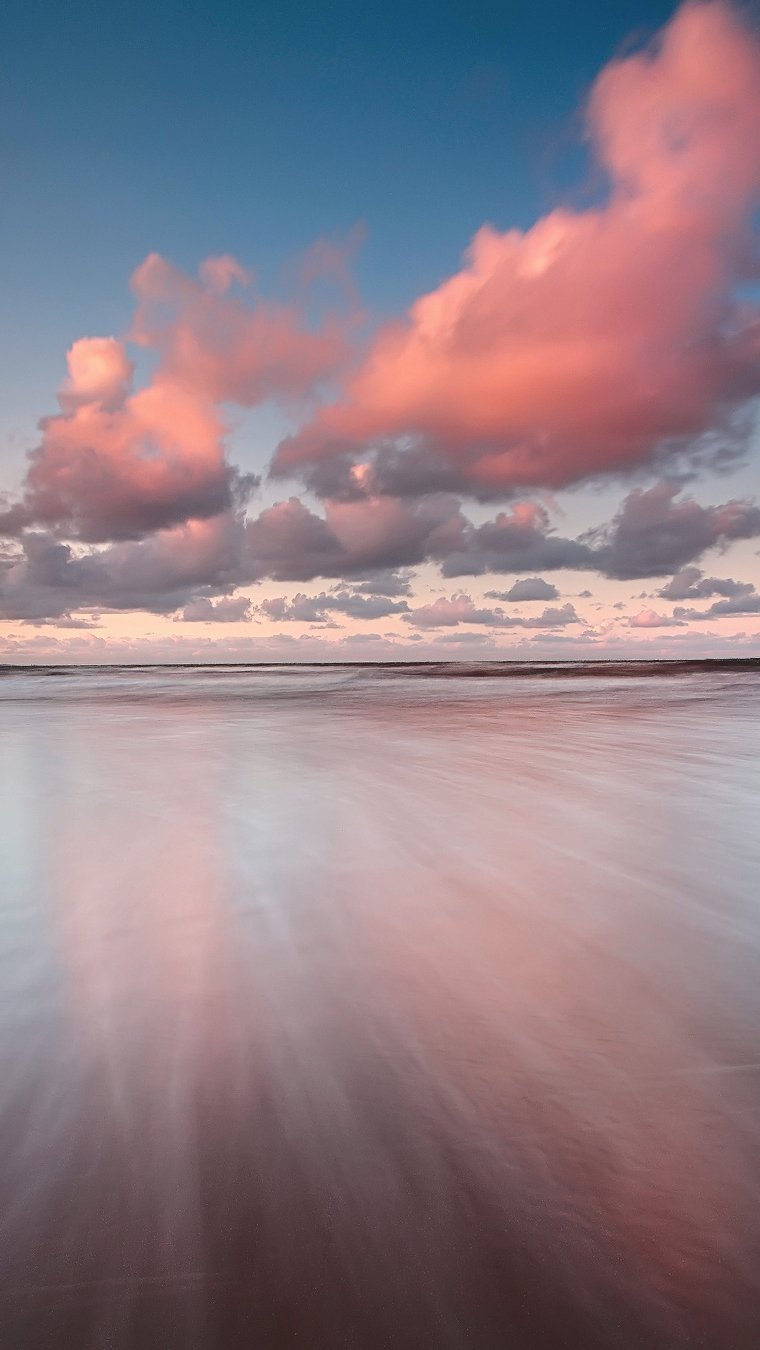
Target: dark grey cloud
{"x":465,"y":639}
{"x":518,"y":540}
{"x":47,"y":578}
{"x":367,"y":546}
{"x":316,"y":608}
{"x":450,"y":612}
{"x":409,"y":472}
{"x":722,"y":609}
{"x":552,"y":617}
{"x":530,"y":588}
{"x":363,"y":639}
{"x":80,"y":621}
{"x":288,"y":542}
{"x":690,"y":584}
{"x":228,"y":609}
{"x":384,"y":582}
{"x":653,"y":533}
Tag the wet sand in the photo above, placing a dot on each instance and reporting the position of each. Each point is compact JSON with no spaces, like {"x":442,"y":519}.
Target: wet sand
{"x":367,"y":1007}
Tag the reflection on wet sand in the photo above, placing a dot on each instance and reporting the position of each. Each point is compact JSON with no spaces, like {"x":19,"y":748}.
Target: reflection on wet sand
{"x":374,"y":1009}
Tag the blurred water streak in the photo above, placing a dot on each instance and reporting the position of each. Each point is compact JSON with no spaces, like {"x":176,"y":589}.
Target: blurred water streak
{"x":380,"y":1007}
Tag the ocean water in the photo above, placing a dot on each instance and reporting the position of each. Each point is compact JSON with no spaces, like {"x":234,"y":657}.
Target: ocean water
{"x":380,"y":1007}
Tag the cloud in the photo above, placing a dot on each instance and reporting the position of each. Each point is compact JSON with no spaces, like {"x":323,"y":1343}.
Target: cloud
{"x":230,"y":609}
{"x":597,"y":341}
{"x":227,"y":350}
{"x":384,"y":582}
{"x":47,"y":578}
{"x":596,"y":338}
{"x":330,"y":260}
{"x":315,"y":608}
{"x":99,"y":372}
{"x":289,"y":542}
{"x":654,"y":533}
{"x":362,"y":639}
{"x":564,"y":642}
{"x":361,"y":543}
{"x":450,"y":612}
{"x":66,"y":621}
{"x":516,"y":540}
{"x":736,"y":604}
{"x":465,"y":639}
{"x":531,"y":588}
{"x":229,"y":645}
{"x":723,"y":609}
{"x":552,"y":617}
{"x":649,"y":618}
{"x":219,"y":274}
{"x":690,"y":584}
{"x":121,"y":463}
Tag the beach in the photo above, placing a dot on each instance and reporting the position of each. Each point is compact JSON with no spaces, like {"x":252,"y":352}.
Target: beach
{"x":410,"y":1006}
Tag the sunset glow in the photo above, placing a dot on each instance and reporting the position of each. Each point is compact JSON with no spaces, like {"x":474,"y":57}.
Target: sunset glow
{"x":576,"y":402}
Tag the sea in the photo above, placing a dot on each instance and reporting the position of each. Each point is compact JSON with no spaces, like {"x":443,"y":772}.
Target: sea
{"x":380,"y":1006}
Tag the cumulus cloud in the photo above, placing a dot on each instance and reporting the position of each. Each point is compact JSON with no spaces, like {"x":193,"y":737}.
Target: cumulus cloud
{"x":99,"y":372}
{"x":530,"y":588}
{"x":316,"y":608}
{"x":649,"y":618}
{"x":451,"y":611}
{"x":363,"y":543}
{"x":289,"y":542}
{"x":656,"y":532}
{"x":384,"y":582}
{"x":690,"y":584}
{"x":596,"y":338}
{"x":46,"y":578}
{"x":229,"y":609}
{"x":552,"y":617}
{"x":723,"y":609}
{"x":514,"y":541}
{"x":227,"y":350}
{"x":119,"y":465}
{"x":464,"y":639}
{"x":119,"y":462}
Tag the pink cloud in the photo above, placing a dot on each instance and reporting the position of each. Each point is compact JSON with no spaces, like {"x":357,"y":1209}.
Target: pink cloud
{"x":111,"y":469}
{"x":219,"y":274}
{"x":118,"y":462}
{"x":223,"y":348}
{"x":584,"y":344}
{"x":649,"y":618}
{"x":451,"y":611}
{"x":100,"y":372}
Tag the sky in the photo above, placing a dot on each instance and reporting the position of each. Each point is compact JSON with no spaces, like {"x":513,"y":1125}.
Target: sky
{"x":400,"y":332}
